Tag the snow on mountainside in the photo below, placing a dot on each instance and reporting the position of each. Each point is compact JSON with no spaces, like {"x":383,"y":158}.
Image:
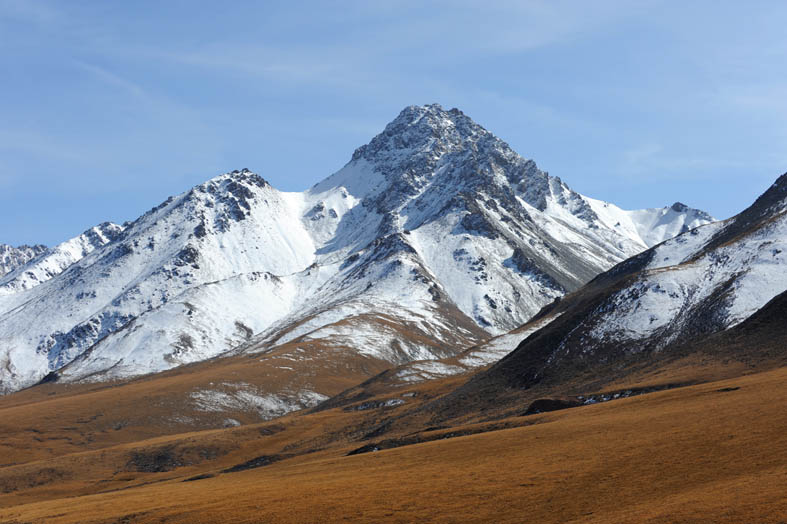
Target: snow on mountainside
{"x":14,"y":257}
{"x":708,"y":280}
{"x":699,"y":283}
{"x":483,"y":354}
{"x":650,"y":226}
{"x":51,"y":262}
{"x":433,"y":237}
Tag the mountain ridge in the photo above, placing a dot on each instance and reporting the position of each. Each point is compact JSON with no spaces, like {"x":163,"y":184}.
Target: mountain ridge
{"x":701,"y":292}
{"x":49,"y":263}
{"x":435,"y":225}
{"x":13,"y":257}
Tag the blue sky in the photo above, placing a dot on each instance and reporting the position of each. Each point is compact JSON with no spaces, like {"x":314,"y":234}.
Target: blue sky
{"x":107,"y":108}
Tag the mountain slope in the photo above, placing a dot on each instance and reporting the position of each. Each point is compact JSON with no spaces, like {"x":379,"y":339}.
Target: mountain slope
{"x":14,"y":257}
{"x":51,"y":262}
{"x":680,"y":297}
{"x":433,"y":237}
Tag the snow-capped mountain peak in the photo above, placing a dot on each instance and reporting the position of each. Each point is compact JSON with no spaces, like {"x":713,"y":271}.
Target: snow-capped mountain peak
{"x":436,"y":227}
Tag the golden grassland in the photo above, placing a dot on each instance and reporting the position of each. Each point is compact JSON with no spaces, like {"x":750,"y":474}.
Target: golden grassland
{"x":713,"y":452}
{"x":54,"y":419}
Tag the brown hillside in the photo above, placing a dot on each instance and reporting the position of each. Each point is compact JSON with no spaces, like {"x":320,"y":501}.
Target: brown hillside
{"x":709,"y":453}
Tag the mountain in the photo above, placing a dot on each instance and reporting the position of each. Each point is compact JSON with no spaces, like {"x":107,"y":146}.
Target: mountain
{"x":51,"y":262}
{"x":717,"y":291}
{"x":14,"y":257}
{"x":435,"y":236}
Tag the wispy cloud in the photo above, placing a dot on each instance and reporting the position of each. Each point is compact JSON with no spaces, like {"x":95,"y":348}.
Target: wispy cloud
{"x":35,"y":143}
{"x":363,"y":53}
{"x":312,"y":65}
{"x":111,"y":78}
{"x":20,"y":148}
{"x":495,"y":26}
{"x":641,"y":157}
{"x":648,"y":162}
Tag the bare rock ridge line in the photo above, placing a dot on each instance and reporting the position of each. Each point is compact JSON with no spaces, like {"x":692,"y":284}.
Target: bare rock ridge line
{"x":434,"y":237}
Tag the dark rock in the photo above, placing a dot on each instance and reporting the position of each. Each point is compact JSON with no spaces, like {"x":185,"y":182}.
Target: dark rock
{"x":544,"y":405}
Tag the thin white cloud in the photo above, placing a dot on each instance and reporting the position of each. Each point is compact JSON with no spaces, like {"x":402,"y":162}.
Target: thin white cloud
{"x":377,"y":48}
{"x":111,"y":78}
{"x":637,"y":158}
{"x":36,"y":143}
{"x":257,"y":60}
{"x":651,"y":161}
{"x":496,"y":26}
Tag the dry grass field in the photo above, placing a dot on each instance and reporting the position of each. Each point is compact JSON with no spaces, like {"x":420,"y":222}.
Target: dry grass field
{"x":713,"y":452}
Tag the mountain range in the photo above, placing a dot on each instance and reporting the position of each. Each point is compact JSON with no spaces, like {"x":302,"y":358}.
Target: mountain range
{"x":433,"y":238}
{"x":440,"y":320}
{"x":712,"y":296}
{"x":706,"y":305}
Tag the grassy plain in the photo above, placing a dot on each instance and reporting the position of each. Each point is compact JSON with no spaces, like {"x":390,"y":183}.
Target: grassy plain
{"x":713,"y":452}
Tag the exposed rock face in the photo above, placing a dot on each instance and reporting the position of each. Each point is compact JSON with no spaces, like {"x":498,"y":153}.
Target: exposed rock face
{"x":14,"y":257}
{"x":434,"y":236}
